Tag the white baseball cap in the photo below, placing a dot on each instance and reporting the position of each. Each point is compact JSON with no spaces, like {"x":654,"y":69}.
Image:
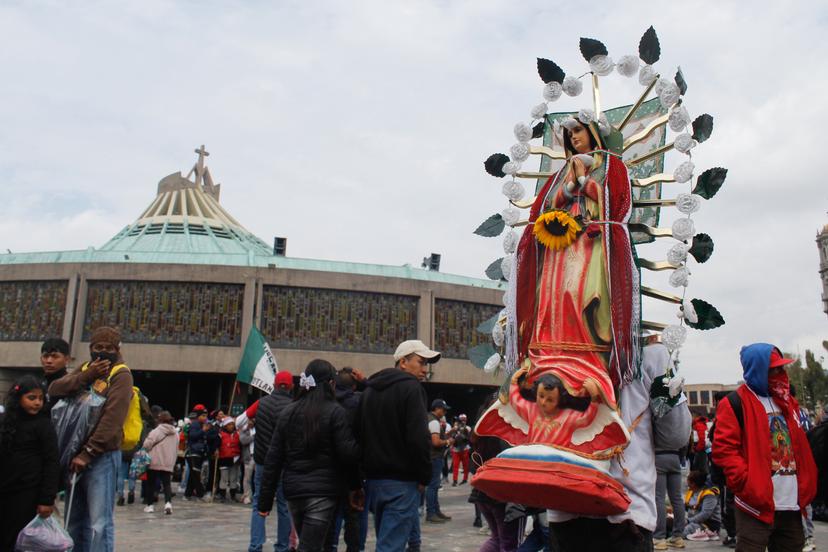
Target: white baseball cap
{"x":416,"y":346}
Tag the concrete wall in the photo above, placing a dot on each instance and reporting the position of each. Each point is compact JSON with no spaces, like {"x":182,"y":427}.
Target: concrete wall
{"x":187,"y":358}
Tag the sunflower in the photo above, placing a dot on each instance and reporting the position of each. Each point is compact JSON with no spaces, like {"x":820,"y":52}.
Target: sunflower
{"x":556,"y":229}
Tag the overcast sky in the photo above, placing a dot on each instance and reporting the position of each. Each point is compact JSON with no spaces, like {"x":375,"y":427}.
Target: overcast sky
{"x":358,"y":130}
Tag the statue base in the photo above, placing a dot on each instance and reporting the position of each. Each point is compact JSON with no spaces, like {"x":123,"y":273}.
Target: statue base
{"x":542,"y":476}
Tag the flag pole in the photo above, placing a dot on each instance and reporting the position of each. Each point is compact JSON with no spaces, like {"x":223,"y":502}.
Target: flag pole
{"x":232,"y":397}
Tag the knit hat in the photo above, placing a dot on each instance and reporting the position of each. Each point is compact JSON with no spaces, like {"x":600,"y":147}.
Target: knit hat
{"x":105,"y":334}
{"x":227,"y":421}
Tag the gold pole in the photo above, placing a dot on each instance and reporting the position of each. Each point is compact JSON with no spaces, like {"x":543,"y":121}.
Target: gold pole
{"x":651,"y":230}
{"x":654,"y":203}
{"x":655,"y":265}
{"x":647,"y":156}
{"x":654,"y":179}
{"x":637,"y":104}
{"x":596,"y":96}
{"x":646,"y":132}
{"x":657,"y":294}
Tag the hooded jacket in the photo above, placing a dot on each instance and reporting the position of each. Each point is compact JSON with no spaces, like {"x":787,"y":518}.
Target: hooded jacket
{"x":744,"y":453}
{"x":270,"y":408}
{"x":162,"y":444}
{"x":700,"y":431}
{"x":392,"y":428}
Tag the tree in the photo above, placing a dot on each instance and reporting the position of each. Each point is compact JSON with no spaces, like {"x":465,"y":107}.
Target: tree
{"x":813,"y":390}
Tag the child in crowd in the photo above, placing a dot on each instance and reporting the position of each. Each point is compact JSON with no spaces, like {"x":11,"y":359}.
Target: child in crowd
{"x":162,"y":445}
{"x":247,"y":437}
{"x":702,"y":505}
{"x":54,"y":358}
{"x":29,"y":468}
{"x":228,"y":462}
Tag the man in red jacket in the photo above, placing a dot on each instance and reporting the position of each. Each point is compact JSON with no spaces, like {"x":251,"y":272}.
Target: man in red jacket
{"x":765,"y":455}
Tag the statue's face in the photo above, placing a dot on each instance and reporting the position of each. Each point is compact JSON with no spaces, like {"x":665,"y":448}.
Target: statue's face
{"x":548,"y":400}
{"x":579,"y":136}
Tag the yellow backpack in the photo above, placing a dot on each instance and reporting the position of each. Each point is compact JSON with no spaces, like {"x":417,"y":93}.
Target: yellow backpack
{"x":133,"y":424}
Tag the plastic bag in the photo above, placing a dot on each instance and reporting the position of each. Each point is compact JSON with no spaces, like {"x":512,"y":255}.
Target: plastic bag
{"x":140,"y":463}
{"x":74,"y":419}
{"x":43,"y":535}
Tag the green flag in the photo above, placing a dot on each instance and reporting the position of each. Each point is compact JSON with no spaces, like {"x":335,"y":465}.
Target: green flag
{"x":258,"y":367}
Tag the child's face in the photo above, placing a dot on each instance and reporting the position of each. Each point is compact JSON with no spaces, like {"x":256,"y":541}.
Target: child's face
{"x":32,"y":401}
{"x":53,"y":362}
{"x":548,"y":399}
{"x":230,"y":428}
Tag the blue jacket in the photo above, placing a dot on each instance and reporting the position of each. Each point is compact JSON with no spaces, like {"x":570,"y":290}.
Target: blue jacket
{"x":196,"y":440}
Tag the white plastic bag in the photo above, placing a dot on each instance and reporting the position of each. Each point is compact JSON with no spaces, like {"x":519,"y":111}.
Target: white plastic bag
{"x":44,"y":535}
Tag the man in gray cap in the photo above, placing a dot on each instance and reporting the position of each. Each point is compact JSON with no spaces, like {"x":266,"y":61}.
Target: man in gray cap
{"x":393,"y":432}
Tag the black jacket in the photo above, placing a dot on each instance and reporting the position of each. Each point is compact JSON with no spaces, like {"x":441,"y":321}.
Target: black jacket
{"x":32,"y":460}
{"x":327,"y":470}
{"x":270,"y":408}
{"x":47,"y":381}
{"x":392,"y":428}
{"x":196,"y":440}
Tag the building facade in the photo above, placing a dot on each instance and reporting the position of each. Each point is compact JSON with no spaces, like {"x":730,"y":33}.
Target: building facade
{"x":185,"y":283}
{"x":822,"y":245}
{"x":701,"y":396}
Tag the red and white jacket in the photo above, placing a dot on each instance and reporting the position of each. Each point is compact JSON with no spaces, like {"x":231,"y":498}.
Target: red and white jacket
{"x":744,"y":454}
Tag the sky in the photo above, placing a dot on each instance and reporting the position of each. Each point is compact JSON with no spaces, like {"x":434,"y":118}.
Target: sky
{"x":358,"y":131}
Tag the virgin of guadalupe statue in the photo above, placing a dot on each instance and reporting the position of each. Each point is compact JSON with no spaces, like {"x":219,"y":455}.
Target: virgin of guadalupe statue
{"x":576,"y":302}
{"x":568,"y":339}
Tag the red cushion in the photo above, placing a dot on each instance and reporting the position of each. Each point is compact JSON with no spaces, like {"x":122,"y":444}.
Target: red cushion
{"x":552,"y":485}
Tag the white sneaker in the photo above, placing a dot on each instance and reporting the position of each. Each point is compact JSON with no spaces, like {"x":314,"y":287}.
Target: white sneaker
{"x":149,"y":509}
{"x":809,"y":545}
{"x":698,"y":535}
{"x":168,"y":508}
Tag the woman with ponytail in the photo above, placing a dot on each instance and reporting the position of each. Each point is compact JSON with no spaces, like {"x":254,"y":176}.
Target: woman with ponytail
{"x":314,"y":453}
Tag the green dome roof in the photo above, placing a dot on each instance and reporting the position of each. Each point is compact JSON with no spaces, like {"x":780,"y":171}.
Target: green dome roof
{"x":186,"y":217}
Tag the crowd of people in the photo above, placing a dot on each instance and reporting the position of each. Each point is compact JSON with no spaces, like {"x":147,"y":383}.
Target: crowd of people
{"x":335,"y":447}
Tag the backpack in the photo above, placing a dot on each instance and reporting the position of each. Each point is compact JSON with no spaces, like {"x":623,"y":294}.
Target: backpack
{"x":670,"y":431}
{"x":133,"y":424}
{"x":716,"y":473}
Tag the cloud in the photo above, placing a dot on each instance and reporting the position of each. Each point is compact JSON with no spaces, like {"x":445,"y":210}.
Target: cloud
{"x":359,"y":130}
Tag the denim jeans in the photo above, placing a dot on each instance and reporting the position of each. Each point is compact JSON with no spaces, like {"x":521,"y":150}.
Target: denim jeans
{"x":312,"y":518}
{"x":90,"y":520}
{"x":258,"y":533}
{"x":395,"y":505}
{"x":123,"y":475}
{"x":432,"y":504}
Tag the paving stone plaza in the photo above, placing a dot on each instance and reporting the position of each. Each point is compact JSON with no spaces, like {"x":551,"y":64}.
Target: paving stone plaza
{"x":208,"y":527}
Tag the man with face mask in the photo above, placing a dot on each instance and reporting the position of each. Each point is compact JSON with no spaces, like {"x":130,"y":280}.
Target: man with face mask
{"x":764,"y":453}
{"x":91,"y":523}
